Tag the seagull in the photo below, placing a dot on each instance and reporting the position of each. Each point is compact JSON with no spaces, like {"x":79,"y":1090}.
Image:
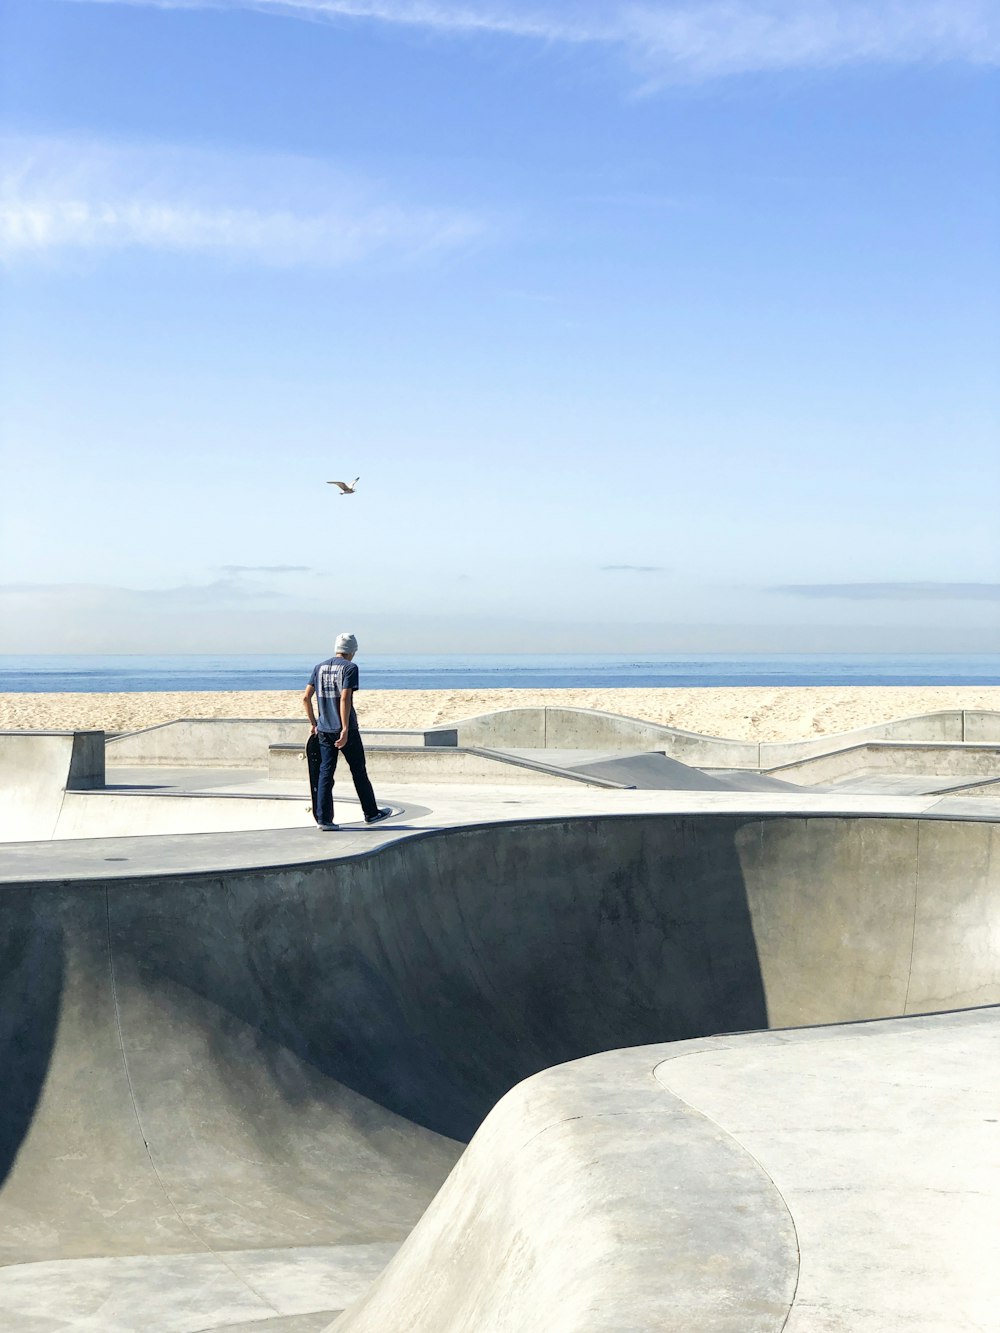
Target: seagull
{"x":344,"y":488}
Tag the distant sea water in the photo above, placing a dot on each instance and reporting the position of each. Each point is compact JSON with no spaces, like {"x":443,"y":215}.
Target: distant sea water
{"x":131,"y":674}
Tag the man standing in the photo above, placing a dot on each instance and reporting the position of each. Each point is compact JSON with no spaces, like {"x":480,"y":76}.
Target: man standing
{"x":332,"y":685}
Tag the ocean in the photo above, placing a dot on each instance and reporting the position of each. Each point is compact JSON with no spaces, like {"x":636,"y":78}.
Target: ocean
{"x":51,"y":674}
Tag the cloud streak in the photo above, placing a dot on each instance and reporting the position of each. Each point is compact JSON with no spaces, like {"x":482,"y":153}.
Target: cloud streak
{"x":895,"y":592}
{"x":266,"y":569}
{"x":679,"y":39}
{"x":103,"y":597}
{"x":58,"y":196}
{"x":633,"y":569}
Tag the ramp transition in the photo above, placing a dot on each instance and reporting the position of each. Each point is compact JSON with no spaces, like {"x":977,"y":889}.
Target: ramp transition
{"x":207,"y":1066}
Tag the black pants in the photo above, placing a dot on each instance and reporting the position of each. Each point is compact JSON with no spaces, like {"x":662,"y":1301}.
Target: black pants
{"x":354,"y":753}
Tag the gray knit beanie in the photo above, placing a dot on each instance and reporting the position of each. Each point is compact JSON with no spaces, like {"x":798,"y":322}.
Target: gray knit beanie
{"x":346,"y":643}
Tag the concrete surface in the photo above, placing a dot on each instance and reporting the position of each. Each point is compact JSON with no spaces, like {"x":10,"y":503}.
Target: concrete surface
{"x":202,"y":1064}
{"x":577,"y":728}
{"x":143,"y":801}
{"x":206,"y":742}
{"x":650,"y":771}
{"x":238,"y":1066}
{"x":122,"y":814}
{"x":415,"y":764}
{"x":482,"y":749}
{"x":844,"y":1179}
{"x":37,"y":768}
{"x":968,"y":759}
{"x":234,"y":742}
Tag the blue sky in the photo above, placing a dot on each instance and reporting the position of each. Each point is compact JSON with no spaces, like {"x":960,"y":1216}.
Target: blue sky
{"x":665,"y":326}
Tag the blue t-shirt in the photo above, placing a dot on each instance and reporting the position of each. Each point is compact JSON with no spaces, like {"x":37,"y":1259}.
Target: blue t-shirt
{"x":329,"y":680}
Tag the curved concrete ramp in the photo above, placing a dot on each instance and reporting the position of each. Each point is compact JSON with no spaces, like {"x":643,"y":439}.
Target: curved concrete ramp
{"x":160,"y":1104}
{"x":36,"y":769}
{"x":208,"y":1065}
{"x":800,"y":1180}
{"x":559,"y":727}
{"x":651,"y":771}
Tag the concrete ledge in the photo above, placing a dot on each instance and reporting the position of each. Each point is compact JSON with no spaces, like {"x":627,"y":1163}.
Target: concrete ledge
{"x":235,"y":742}
{"x":957,"y":759}
{"x":205,"y":742}
{"x":122,"y":814}
{"x":834,"y":1178}
{"x":442,"y":765}
{"x":585,"y":729}
{"x":180,"y":1044}
{"x":577,"y":728}
{"x":36,"y":769}
{"x":593,"y":1200}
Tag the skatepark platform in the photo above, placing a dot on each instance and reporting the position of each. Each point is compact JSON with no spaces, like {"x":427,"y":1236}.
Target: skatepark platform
{"x":242,"y":1067}
{"x":896,"y":756}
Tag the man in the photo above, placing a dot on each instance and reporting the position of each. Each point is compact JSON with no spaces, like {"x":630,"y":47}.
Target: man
{"x":332,"y":685}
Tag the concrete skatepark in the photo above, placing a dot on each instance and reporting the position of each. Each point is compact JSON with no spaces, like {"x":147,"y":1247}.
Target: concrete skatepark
{"x":611,"y":1027}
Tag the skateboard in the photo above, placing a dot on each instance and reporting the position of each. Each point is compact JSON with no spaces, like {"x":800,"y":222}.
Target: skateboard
{"x":312,"y":761}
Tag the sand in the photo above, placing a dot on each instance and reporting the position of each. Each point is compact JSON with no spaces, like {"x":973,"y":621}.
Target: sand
{"x":749,"y":713}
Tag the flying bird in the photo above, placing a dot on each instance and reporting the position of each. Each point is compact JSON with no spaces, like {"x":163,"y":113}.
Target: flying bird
{"x":344,"y":488}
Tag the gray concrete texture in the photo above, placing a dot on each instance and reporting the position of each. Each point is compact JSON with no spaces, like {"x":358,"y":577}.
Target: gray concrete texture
{"x":597,"y":768}
{"x":508,"y":737}
{"x":233,"y":742}
{"x":843,"y":1179}
{"x":205,"y":1065}
{"x":209,"y":742}
{"x":961,"y":759}
{"x":138,"y":813}
{"x":572,"y":728}
{"x":240,"y":742}
{"x":37,"y":769}
{"x":231,"y":1094}
{"x":416,"y":764}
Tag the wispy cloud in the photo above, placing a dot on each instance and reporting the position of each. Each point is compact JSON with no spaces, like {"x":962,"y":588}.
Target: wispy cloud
{"x":266,"y":569}
{"x":58,"y":196}
{"x":732,"y":37}
{"x":98,"y":596}
{"x":633,"y":569}
{"x":895,"y":592}
{"x":579,"y":22}
{"x":680,"y":38}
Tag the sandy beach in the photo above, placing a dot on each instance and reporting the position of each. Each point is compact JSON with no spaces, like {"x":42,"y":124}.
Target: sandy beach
{"x":748,"y":713}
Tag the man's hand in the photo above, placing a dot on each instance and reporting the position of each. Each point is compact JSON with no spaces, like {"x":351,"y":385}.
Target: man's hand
{"x":345,"y":718}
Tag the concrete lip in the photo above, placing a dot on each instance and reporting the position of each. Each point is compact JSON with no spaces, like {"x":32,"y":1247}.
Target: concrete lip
{"x":828,"y":1178}
{"x":240,"y":1066}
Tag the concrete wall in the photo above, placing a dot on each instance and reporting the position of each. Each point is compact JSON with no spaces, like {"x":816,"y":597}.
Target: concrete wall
{"x":117,"y":814}
{"x":593,"y":1201}
{"x":438,"y":765}
{"x":235,"y":743}
{"x":232,"y":742}
{"x":575,"y":728}
{"x":981,"y":726}
{"x":960,"y":759}
{"x":36,"y":768}
{"x":448,"y":966}
{"x":206,"y":742}
{"x":250,"y":1059}
{"x":583,"y":729}
{"x":829,"y":1179}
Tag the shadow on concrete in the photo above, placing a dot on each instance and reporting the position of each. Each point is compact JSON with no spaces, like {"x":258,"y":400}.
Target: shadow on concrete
{"x":289,"y":1056}
{"x":31,"y":983}
{"x":434,"y":977}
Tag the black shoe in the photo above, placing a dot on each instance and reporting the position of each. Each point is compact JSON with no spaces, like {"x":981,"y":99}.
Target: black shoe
{"x":378,"y":816}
